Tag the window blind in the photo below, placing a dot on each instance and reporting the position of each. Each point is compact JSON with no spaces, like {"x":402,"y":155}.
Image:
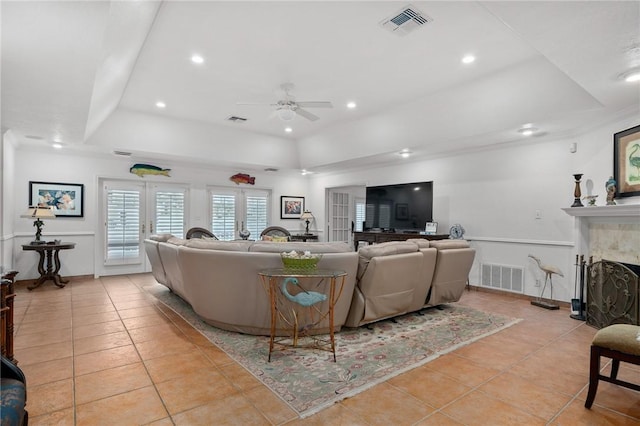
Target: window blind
{"x":170,"y":213}
{"x":223,"y":216}
{"x":123,"y":225}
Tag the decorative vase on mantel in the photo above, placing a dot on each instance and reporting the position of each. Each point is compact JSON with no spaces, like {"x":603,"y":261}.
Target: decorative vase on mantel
{"x":576,"y":192}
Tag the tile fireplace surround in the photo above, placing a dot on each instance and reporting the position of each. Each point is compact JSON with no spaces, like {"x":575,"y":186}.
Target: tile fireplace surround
{"x":607,"y":232}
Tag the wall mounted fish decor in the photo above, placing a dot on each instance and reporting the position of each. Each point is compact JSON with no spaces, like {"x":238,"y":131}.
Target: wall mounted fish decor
{"x":239,"y":178}
{"x":148,"y":169}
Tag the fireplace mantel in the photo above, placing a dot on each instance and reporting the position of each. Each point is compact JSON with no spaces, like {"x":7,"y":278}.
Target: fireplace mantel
{"x":588,"y":231}
{"x":620,"y":210}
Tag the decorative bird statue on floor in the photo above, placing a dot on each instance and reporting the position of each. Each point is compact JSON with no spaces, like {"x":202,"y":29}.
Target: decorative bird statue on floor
{"x":304,"y":298}
{"x":549,"y":270}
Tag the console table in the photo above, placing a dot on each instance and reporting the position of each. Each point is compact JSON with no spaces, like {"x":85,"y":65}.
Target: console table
{"x":51,"y":252}
{"x":383,"y":237}
{"x":303,"y":237}
{"x":290,"y":293}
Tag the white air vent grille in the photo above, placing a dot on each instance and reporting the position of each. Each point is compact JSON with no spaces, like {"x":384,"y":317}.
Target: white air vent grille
{"x":502,"y":277}
{"x":123,"y":153}
{"x":405,"y":21}
{"x":236,"y":119}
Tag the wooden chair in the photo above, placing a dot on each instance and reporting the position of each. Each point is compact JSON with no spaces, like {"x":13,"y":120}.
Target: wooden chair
{"x":620,"y":343}
{"x":199,"y":233}
{"x":7,"y":294}
{"x":275,"y":231}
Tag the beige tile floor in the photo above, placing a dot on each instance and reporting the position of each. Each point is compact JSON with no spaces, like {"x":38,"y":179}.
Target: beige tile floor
{"x":102,"y":351}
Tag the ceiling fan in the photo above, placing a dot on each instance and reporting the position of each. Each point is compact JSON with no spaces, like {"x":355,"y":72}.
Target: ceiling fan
{"x":288,"y":108}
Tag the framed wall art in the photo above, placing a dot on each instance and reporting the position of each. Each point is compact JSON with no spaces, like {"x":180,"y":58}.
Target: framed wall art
{"x":67,"y":199}
{"x":291,"y":207}
{"x":626,"y":162}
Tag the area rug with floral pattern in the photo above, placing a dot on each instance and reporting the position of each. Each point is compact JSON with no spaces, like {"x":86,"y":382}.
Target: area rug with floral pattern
{"x":308,"y":380}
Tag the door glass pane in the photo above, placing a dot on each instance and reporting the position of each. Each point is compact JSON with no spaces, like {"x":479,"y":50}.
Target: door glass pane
{"x":256,"y":219}
{"x":223,"y":216}
{"x":123,"y":226}
{"x":170,"y":213}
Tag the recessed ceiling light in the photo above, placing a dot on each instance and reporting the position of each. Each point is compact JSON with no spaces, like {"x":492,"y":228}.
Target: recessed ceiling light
{"x":288,"y":129}
{"x":405,"y":153}
{"x":467,"y":59}
{"x":304,"y":172}
{"x":527,"y":131}
{"x":161,"y":104}
{"x":57,"y":145}
{"x":631,"y":76}
{"x":351,"y":105}
{"x":197,"y":59}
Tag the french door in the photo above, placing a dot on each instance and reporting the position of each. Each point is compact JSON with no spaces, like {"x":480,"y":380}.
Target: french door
{"x":132,"y":211}
{"x":233,"y":210}
{"x":339,"y":217}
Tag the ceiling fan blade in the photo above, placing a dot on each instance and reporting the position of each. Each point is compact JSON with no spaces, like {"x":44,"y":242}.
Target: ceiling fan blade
{"x":314,"y":104}
{"x":306,"y":114}
{"x":255,"y":103}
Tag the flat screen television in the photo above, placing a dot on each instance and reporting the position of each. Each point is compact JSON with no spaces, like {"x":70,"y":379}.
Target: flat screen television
{"x":405,"y":207}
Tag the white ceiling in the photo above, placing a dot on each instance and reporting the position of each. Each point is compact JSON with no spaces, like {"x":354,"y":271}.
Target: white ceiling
{"x":91,"y":73}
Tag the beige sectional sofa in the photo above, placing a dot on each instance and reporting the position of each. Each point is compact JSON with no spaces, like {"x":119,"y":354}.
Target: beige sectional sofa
{"x":220,"y":280}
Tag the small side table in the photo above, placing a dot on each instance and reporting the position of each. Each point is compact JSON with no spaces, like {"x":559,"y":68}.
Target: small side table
{"x":285,"y":306}
{"x":303,"y":237}
{"x":51,"y":250}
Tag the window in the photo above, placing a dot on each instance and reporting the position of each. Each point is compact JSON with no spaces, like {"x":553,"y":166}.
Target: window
{"x":232,"y":210}
{"x":360,"y":214}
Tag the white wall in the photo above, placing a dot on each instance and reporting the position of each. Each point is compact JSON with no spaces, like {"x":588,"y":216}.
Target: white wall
{"x":59,"y":166}
{"x":495,"y":194}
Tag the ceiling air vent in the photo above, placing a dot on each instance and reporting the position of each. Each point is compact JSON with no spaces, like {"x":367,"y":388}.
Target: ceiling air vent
{"x":236,"y":119}
{"x":123,"y":153}
{"x":406,"y":20}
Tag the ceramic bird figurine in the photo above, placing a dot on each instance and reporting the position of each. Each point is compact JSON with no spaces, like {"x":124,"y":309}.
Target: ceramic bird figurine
{"x":304,"y":298}
{"x":548,"y":270}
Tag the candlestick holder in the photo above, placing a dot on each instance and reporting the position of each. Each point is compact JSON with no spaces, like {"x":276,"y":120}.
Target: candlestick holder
{"x":576,"y":192}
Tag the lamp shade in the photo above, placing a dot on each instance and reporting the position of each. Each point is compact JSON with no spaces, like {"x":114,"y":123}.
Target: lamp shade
{"x":39,"y":212}
{"x":306,"y":215}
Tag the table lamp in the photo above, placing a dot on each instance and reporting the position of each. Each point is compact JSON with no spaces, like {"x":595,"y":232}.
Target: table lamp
{"x":307,"y":217}
{"x":39,"y":213}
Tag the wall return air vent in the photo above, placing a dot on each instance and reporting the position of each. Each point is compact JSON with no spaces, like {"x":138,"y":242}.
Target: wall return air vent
{"x":405,"y":21}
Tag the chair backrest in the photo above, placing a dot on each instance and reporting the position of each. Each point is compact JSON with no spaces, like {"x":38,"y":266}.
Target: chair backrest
{"x":275,"y":231}
{"x":199,"y":233}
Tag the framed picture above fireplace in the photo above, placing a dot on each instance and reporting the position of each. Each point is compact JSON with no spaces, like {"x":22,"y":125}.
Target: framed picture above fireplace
{"x":626,"y":162}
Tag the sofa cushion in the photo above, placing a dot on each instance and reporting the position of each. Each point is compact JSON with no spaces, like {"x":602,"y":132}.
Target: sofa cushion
{"x":211,"y":244}
{"x":450,"y":244}
{"x":161,"y":237}
{"x":420,"y":242}
{"x":275,"y":247}
{"x":366,"y":253}
{"x":387,"y":249}
{"x":177,"y":241}
{"x":12,"y":400}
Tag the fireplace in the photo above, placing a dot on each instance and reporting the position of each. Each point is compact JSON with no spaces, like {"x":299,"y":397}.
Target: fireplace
{"x":613,"y":294}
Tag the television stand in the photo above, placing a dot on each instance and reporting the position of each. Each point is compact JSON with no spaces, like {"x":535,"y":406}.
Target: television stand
{"x":383,"y":237}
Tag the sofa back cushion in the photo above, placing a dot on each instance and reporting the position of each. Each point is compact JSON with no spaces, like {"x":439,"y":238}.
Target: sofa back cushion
{"x":161,"y":237}
{"x":366,"y":253}
{"x":210,"y":244}
{"x":276,"y":247}
{"x":420,"y":242}
{"x":450,"y":244}
{"x":177,"y":241}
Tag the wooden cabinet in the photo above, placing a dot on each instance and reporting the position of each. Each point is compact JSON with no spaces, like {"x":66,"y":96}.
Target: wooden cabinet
{"x":383,"y":237}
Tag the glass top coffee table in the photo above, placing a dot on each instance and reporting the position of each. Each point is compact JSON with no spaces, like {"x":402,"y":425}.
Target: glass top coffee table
{"x":302,"y":301}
